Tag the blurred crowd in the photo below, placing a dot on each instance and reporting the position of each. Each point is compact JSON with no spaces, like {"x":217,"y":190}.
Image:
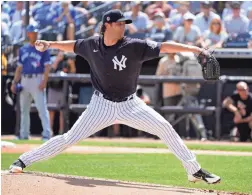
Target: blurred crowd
{"x":208,"y":24}
{"x":198,"y":23}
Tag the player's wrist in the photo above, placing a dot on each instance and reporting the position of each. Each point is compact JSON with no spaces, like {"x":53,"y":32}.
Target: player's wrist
{"x":194,"y":49}
{"x":50,"y":44}
{"x":198,"y":50}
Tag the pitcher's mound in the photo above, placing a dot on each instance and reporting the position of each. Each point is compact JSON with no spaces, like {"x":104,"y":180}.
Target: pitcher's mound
{"x":31,"y":183}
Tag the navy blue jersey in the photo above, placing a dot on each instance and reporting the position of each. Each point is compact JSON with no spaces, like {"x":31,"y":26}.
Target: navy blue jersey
{"x":244,"y":106}
{"x":32,"y":60}
{"x":115,"y":69}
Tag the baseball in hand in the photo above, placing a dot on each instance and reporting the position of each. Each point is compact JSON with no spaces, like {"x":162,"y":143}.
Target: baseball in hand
{"x":41,"y":45}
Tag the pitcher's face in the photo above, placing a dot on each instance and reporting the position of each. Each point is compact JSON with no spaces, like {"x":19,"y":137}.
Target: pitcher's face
{"x":118,"y":28}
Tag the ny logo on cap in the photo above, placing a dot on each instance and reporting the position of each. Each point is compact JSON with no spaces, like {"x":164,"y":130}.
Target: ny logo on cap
{"x":120,"y":64}
{"x":108,"y":18}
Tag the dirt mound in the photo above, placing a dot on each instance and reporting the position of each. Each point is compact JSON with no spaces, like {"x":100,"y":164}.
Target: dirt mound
{"x":31,"y":183}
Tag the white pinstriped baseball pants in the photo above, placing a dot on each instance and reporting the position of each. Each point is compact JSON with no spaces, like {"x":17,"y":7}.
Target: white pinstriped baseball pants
{"x":102,"y":113}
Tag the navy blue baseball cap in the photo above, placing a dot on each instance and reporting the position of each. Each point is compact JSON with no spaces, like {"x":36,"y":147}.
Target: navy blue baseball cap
{"x":115,"y":16}
{"x":31,"y":28}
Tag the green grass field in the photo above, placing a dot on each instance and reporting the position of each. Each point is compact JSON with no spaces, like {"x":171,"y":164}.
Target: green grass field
{"x":150,"y":145}
{"x":236,"y":172}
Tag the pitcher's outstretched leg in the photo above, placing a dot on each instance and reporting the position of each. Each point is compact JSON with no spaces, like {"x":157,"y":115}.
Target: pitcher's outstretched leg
{"x":98,"y":115}
{"x":138,"y":115}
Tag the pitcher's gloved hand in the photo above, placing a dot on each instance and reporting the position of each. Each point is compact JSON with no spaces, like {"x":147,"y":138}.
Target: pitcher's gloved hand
{"x":210,"y":66}
{"x":41,"y":45}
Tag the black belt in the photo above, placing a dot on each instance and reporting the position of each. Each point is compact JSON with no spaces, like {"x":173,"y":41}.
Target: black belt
{"x":30,"y":75}
{"x":113,"y":99}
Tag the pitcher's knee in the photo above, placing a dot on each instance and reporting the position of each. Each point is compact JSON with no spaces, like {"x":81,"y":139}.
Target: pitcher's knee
{"x":164,"y":129}
{"x":71,"y":139}
{"x":61,"y":142}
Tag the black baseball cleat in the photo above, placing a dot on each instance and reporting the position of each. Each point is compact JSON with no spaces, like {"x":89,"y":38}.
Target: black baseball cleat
{"x":203,"y":175}
{"x":17,"y":167}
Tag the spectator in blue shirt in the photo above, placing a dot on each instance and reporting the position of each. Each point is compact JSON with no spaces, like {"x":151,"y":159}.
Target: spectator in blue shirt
{"x":65,"y":17}
{"x":236,"y":22}
{"x":12,"y":6}
{"x":228,"y":10}
{"x":204,"y":18}
{"x":250,"y":19}
{"x":159,"y":32}
{"x":44,"y":14}
{"x":17,"y":14}
{"x":83,"y":17}
{"x":215,"y":36}
{"x":84,"y":7}
{"x":140,"y":23}
{"x":188,"y":33}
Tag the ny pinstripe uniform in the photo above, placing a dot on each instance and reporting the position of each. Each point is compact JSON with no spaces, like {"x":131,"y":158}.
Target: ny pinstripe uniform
{"x":114,"y":73}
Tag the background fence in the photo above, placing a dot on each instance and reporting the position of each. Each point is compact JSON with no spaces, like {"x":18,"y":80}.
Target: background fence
{"x":157,"y":81}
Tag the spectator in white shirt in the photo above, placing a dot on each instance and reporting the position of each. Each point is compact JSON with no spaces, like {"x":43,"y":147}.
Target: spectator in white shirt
{"x":236,"y":22}
{"x":215,"y":36}
{"x":203,"y":19}
{"x":189,"y":33}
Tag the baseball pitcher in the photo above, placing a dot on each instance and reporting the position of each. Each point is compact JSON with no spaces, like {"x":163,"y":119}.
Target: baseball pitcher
{"x":115,"y":62}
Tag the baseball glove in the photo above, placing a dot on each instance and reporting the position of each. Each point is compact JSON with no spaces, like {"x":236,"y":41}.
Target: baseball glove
{"x":210,"y":66}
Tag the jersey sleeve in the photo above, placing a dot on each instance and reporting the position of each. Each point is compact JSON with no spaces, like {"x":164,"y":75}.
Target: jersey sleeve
{"x":46,"y":59}
{"x":20,"y":61}
{"x":81,"y":47}
{"x":147,"y":49}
